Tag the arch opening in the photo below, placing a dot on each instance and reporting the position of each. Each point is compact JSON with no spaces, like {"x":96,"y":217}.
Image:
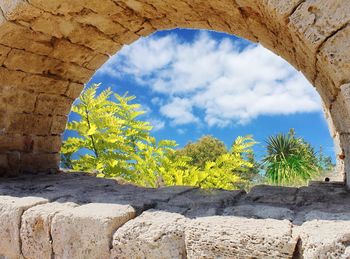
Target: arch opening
{"x":200,"y":87}
{"x":48,"y":51}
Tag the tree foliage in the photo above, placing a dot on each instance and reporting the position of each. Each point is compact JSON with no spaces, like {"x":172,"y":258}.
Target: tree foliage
{"x":115,"y":143}
{"x":325,"y":163}
{"x":290,"y":160}
{"x":207,"y":148}
{"x":219,"y":173}
{"x":112,"y":141}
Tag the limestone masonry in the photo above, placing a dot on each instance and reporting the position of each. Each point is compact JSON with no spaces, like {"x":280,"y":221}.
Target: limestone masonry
{"x":49,"y":49}
{"x":78,"y":216}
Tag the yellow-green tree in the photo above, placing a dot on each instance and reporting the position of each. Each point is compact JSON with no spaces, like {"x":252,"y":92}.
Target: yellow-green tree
{"x":113,"y":141}
{"x":207,"y":148}
{"x":224,"y":172}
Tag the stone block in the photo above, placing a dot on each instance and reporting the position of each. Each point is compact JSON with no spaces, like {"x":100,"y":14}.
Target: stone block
{"x":44,"y":84}
{"x":29,"y":62}
{"x":11,"y":77}
{"x":58,"y":125}
{"x":69,"y":52}
{"x":272,"y":195}
{"x":15,"y":100}
{"x":334,"y":56}
{"x":340,"y":115}
{"x":316,"y":214}
{"x":15,"y":142}
{"x":201,"y":202}
{"x":47,"y":144}
{"x":74,"y":90}
{"x":146,"y":29}
{"x":153,"y":235}
{"x":29,"y":124}
{"x":101,"y":22}
{"x":11,"y":210}
{"x":41,"y":162}
{"x":316,"y":20}
{"x":129,"y":20}
{"x":126,"y":38}
{"x":311,"y":24}
{"x":38,"y":64}
{"x":101,"y":43}
{"x":236,"y":237}
{"x":323,"y":193}
{"x":96,"y":62}
{"x":86,"y":231}
{"x":21,"y":37}
{"x":55,"y":26}
{"x":61,"y":27}
{"x":324,"y":239}
{"x":36,"y":229}
{"x":49,"y":104}
{"x":326,"y":88}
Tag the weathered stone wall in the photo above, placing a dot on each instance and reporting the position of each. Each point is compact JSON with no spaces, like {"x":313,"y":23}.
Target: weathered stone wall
{"x":71,"y":216}
{"x":49,"y":49}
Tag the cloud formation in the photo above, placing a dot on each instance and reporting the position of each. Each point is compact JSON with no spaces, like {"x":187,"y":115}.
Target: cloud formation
{"x":156,"y":124}
{"x":223,"y":82}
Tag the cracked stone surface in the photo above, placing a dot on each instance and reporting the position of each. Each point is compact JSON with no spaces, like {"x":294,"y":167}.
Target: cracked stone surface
{"x":85,"y":231}
{"x":36,"y":229}
{"x":155,"y":234}
{"x":49,"y":49}
{"x":11,"y":210}
{"x":229,"y":237}
{"x":74,"y":215}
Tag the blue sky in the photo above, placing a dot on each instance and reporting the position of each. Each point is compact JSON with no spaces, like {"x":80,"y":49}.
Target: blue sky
{"x":193,"y":83}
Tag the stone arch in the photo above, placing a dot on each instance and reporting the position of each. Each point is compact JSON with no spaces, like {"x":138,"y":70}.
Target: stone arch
{"x":49,"y":49}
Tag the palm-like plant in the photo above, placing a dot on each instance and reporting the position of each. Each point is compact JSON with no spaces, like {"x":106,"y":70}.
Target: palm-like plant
{"x":289,"y":160}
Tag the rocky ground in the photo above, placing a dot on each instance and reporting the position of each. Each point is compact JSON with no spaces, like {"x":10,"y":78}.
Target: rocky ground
{"x":73,"y":215}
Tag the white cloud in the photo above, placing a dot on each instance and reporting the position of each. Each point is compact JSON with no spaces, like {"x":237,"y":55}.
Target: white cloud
{"x":156,"y":124}
{"x":179,"y":110}
{"x":157,"y":101}
{"x":226,"y":83}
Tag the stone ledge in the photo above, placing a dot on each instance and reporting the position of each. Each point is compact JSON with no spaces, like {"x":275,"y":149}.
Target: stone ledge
{"x":74,"y":215}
